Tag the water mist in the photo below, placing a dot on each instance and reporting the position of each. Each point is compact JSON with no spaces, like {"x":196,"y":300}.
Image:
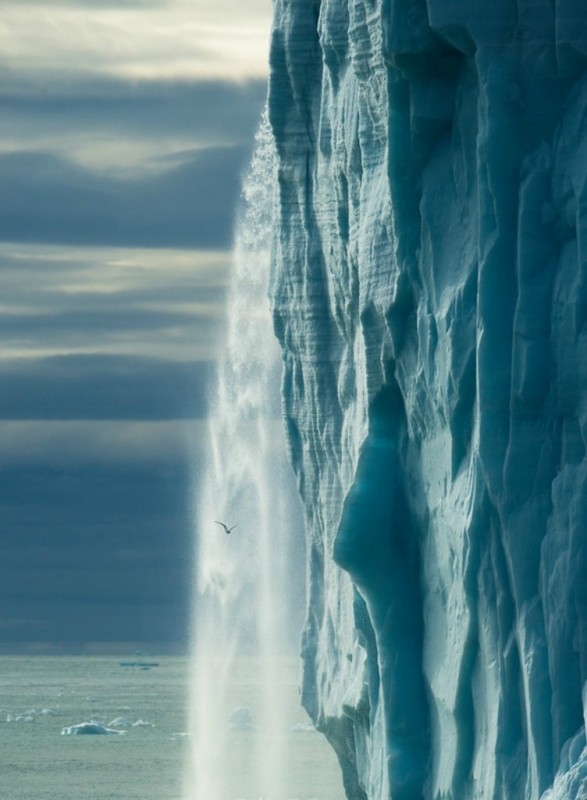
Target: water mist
{"x":241,"y":615}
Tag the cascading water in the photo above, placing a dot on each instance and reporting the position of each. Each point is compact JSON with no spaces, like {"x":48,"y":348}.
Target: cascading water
{"x":241,"y":619}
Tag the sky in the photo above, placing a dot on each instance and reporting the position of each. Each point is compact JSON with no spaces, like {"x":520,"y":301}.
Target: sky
{"x":125,"y":126}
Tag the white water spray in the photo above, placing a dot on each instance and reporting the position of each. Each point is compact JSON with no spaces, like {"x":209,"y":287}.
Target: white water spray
{"x":241,"y":616}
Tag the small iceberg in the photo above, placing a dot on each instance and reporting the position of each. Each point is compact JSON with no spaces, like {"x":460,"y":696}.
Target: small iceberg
{"x":125,"y":722}
{"x":90,"y":729}
{"x":27,"y":716}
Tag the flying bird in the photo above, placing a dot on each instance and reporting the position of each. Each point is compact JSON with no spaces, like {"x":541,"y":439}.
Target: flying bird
{"x":228,"y":530}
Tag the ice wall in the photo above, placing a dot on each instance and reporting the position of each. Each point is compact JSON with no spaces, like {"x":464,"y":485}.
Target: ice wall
{"x":429,"y":291}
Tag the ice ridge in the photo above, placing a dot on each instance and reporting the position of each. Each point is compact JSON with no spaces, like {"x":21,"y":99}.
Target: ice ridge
{"x":429,"y":292}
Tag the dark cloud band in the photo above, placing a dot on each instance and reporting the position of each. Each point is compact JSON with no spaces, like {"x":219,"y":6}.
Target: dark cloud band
{"x":90,"y":387}
{"x":47,"y":199}
{"x":204,"y":111}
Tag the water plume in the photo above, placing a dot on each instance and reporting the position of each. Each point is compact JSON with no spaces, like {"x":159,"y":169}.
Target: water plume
{"x":242,"y":580}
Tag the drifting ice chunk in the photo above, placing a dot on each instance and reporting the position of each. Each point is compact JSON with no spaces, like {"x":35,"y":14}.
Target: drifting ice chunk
{"x":90,"y":729}
{"x":26,"y":717}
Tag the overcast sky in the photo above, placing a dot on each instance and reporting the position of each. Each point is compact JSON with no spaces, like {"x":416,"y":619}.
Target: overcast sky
{"x":124,"y":128}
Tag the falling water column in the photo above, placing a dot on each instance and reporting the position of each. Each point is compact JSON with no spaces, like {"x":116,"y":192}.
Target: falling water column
{"x":240,"y":615}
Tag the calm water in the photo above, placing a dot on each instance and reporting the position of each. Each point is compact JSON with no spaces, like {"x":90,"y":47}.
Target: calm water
{"x":146,"y":763}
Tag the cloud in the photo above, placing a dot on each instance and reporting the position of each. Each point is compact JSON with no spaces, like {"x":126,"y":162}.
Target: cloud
{"x":99,"y":387}
{"x":47,"y":199}
{"x":95,"y":158}
{"x":155,"y":304}
{"x":107,"y":330}
{"x":175,"y":39}
{"x":53,"y":275}
{"x":103,"y":123}
{"x":79,"y":4}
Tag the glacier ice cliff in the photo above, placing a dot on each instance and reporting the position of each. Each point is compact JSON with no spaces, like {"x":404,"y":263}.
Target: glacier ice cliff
{"x":429,"y":292}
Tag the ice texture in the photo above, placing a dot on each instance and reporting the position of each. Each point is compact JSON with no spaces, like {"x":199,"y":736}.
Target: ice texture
{"x":429,"y":292}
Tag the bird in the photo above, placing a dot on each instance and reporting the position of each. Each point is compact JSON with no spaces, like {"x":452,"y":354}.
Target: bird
{"x":228,"y":530}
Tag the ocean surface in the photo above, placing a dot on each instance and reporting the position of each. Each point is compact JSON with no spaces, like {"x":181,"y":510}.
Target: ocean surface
{"x":41,"y":696}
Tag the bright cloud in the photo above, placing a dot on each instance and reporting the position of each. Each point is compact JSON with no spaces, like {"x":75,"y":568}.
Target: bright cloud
{"x":162,"y":303}
{"x":100,"y":122}
{"x":224,"y":39}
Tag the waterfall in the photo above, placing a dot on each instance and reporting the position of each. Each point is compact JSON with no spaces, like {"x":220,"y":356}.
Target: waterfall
{"x":241,"y":620}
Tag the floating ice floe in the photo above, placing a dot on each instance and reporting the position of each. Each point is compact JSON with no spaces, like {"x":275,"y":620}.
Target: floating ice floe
{"x":125,"y":722}
{"x":31,"y":714}
{"x":25,"y":717}
{"x":91,"y":728}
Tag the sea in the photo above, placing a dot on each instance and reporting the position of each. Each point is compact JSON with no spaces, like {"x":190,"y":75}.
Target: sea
{"x":44,"y":698}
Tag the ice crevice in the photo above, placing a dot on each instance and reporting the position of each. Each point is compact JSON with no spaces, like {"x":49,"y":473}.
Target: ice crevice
{"x":429,"y":293}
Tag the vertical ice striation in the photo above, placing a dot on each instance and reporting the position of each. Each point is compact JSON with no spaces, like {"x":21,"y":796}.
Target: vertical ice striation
{"x":429,"y":292}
